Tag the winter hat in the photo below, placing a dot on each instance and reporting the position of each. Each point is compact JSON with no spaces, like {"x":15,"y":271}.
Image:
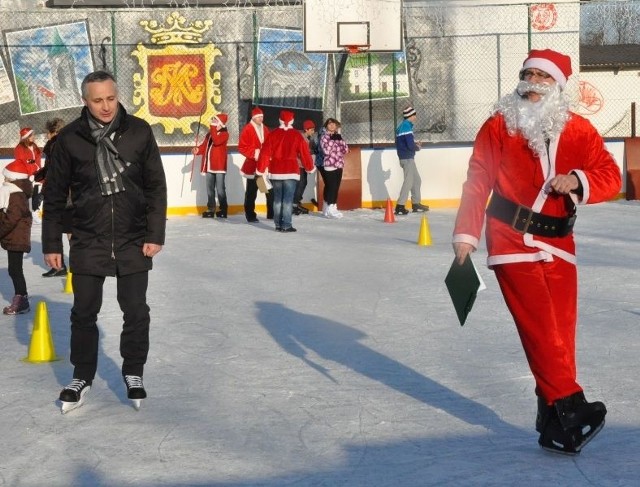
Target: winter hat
{"x":286,"y":118}
{"x":256,"y":112}
{"x":19,"y":169}
{"x":308,"y":124}
{"x":408,"y":112}
{"x":221,"y":118}
{"x":558,"y":65}
{"x":25,"y":132}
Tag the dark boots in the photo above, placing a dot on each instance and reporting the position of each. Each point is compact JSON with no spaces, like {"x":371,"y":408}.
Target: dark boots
{"x":568,"y":425}
{"x":401,"y":210}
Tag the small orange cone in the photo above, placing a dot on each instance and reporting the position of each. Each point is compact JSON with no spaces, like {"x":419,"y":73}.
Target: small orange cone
{"x":424,"y":237}
{"x":41,"y":347}
{"x":388,"y":214}
{"x":68,"y":286}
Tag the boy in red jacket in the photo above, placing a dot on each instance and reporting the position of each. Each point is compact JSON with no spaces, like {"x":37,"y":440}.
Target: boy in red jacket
{"x":280,"y":154}
{"x":214,"y":165}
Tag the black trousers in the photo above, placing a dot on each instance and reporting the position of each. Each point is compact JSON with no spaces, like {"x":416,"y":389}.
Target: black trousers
{"x":16,"y":273}
{"x":250,"y":194}
{"x":301,"y":186}
{"x":332,"y":180}
{"x":134,"y":339}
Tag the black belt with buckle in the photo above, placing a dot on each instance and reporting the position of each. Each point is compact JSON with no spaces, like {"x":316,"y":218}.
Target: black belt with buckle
{"x":524,"y":220}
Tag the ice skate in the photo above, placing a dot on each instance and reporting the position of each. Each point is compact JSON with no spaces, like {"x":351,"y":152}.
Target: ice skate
{"x":72,"y":396}
{"x":575,"y":413}
{"x":135,"y":390}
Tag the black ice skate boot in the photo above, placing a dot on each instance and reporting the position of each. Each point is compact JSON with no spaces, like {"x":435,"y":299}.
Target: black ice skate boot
{"x":401,"y":210}
{"x":416,"y":207}
{"x":208,"y":214}
{"x":543,"y":412}
{"x":575,"y":413}
{"x":554,"y":438}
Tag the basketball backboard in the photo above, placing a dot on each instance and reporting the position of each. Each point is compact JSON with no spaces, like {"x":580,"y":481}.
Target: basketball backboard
{"x":336,"y":25}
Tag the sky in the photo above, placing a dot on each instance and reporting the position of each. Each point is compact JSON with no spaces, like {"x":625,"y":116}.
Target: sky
{"x":327,"y":357}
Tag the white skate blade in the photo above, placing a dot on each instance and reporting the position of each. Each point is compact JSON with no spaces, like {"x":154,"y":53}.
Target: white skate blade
{"x":70,"y":406}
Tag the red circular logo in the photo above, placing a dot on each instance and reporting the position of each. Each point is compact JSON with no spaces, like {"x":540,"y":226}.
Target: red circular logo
{"x":543,"y":16}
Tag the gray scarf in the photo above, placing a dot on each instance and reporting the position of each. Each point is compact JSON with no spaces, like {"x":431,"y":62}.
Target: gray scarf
{"x":109,"y":164}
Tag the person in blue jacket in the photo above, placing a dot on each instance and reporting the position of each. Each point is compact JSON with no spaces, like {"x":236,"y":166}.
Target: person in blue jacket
{"x":406,"y":147}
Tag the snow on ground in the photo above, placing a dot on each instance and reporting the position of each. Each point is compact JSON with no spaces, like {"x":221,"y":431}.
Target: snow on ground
{"x":328,"y":357}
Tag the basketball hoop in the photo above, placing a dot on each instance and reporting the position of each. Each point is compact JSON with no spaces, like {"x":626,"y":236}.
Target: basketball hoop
{"x":356,"y":49}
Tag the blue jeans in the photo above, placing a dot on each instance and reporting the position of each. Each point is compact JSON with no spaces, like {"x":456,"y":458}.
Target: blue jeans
{"x":215,"y":184}
{"x":283,"y":190}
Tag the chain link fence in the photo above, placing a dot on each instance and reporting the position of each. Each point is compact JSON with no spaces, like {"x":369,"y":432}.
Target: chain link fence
{"x":178,"y":67}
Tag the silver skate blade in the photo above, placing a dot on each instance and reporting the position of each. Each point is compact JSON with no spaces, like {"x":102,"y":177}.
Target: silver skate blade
{"x":137,"y":403}
{"x":70,"y":406}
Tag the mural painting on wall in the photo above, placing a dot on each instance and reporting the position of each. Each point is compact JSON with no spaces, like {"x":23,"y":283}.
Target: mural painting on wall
{"x":388,"y":70}
{"x":178,"y":85}
{"x":288,"y":76}
{"x":48,"y":64}
{"x":6,"y":92}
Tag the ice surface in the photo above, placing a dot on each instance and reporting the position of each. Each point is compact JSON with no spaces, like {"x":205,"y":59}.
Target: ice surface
{"x":327,"y":357}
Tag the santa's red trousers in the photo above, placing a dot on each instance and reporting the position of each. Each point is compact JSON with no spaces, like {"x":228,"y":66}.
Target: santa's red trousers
{"x":542,"y":298}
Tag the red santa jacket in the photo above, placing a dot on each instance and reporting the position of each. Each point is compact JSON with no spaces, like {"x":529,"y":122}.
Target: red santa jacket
{"x":31,"y":154}
{"x":214,"y":151}
{"x":505,"y":164}
{"x":249,"y":144}
{"x":281,"y":152}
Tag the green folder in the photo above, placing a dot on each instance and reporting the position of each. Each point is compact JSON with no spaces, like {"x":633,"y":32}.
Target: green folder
{"x":463,"y":284}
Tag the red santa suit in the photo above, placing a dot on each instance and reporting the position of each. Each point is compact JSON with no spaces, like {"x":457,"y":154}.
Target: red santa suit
{"x":214,"y":147}
{"x":282,"y":150}
{"x":536,"y":273}
{"x":250,"y":142}
{"x":26,"y":151}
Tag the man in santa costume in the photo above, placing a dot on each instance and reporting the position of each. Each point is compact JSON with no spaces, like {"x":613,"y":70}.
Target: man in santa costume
{"x":280,"y":154}
{"x":540,"y":160}
{"x":214,"y":165}
{"x":250,"y":142}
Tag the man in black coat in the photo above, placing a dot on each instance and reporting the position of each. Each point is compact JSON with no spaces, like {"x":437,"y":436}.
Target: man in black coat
{"x":109,"y":162}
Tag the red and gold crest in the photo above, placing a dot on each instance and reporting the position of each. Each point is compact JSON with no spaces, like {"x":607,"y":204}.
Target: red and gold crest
{"x":178,"y":84}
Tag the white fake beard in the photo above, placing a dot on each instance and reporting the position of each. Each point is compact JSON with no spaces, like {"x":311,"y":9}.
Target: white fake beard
{"x":536,"y":121}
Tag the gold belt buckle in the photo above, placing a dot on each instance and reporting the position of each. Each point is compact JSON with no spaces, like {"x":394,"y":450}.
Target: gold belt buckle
{"x":517,"y":221}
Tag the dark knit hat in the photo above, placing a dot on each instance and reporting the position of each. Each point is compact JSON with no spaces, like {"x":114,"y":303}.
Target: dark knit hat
{"x":408,"y":112}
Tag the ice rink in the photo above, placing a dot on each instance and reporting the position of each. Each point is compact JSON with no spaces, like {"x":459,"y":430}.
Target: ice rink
{"x":328,"y":357}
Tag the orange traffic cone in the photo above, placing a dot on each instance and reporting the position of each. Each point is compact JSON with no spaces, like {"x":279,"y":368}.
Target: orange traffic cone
{"x":424,"y":237}
{"x":388,"y":214}
{"x":41,"y":347}
{"x":68,"y":286}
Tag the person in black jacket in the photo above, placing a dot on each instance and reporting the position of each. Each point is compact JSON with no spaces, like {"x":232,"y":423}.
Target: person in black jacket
{"x":110,"y":164}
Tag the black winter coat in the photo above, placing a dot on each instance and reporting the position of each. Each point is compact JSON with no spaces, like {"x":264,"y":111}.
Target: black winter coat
{"x":108,"y":232}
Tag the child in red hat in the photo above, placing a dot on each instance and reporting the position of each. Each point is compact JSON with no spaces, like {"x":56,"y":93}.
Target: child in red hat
{"x":15,"y":228}
{"x":27,"y":150}
{"x":214,"y":165}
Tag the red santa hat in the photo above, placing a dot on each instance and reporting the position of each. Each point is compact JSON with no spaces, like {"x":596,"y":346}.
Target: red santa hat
{"x":256,"y":112}
{"x":19,"y":169}
{"x":221,"y":119}
{"x":286,"y":118}
{"x":25,"y":132}
{"x":308,"y":124}
{"x":558,"y":65}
